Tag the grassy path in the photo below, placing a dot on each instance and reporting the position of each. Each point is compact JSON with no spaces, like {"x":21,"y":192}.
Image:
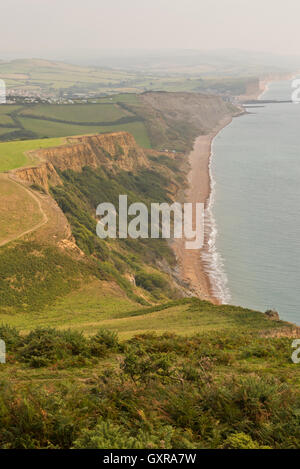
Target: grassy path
{"x":44,"y":220}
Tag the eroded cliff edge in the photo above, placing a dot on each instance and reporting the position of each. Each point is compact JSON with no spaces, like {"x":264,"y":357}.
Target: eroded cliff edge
{"x":115,"y":151}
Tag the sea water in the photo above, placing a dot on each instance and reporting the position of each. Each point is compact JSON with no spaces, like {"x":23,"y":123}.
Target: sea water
{"x":255,"y":207}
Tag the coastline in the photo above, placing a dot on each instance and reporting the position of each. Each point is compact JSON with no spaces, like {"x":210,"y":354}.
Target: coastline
{"x":194,"y":265}
{"x":264,"y":86}
{"x":201,"y":270}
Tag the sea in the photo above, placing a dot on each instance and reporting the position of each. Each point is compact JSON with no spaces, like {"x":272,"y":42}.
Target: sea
{"x":254,"y":210}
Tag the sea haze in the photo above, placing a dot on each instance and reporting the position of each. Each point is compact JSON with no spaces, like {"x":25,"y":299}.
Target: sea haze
{"x":256,"y":169}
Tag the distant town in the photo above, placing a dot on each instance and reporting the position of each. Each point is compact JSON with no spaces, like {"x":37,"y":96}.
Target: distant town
{"x":22,"y":96}
{"x":16,"y":96}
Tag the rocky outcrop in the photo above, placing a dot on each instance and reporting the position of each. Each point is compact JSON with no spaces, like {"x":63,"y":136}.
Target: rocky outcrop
{"x":290,"y":331}
{"x":42,"y":175}
{"x":272,"y":314}
{"x":115,"y":151}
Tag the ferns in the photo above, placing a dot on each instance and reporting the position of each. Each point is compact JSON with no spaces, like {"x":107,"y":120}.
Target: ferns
{"x":149,"y":392}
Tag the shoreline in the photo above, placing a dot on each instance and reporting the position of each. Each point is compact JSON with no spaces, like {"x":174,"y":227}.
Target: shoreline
{"x":201,"y":270}
{"x":194,"y":265}
{"x":264,"y":86}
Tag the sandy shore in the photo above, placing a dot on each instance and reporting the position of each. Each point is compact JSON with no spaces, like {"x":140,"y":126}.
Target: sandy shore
{"x":192,"y":268}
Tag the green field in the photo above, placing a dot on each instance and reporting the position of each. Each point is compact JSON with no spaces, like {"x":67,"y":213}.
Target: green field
{"x":50,"y":120}
{"x":6,"y":120}
{"x":47,"y":129}
{"x":35,"y":74}
{"x":6,"y":112}
{"x":106,"y":112}
{"x":7,"y":130}
{"x":137,"y":129}
{"x":56,"y":79}
{"x":13,"y":154}
{"x":126,"y":98}
{"x":8,"y":109}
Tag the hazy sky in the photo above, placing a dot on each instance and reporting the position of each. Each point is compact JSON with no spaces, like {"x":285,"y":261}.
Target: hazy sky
{"x":41,"y":27}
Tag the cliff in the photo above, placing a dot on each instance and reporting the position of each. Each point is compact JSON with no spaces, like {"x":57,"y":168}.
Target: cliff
{"x":115,"y":151}
{"x":202,"y":112}
{"x":174,"y":120}
{"x":42,"y":175}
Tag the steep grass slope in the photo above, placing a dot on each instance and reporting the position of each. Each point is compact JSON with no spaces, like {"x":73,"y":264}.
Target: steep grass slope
{"x":65,"y":254}
{"x":20,"y":211}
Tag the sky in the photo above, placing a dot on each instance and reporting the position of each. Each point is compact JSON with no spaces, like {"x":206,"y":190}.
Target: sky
{"x":45,"y":27}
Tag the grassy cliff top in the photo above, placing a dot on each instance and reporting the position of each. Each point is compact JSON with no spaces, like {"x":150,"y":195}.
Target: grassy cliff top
{"x":15,"y":154}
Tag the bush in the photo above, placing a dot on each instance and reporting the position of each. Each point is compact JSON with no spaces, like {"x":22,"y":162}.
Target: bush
{"x":166,"y":379}
{"x":45,"y":346}
{"x":108,"y":435}
{"x":10,"y":335}
{"x":146,"y":367}
{"x":251,"y":404}
{"x":103,"y":342}
{"x":151,"y":282}
{"x":241,"y":441}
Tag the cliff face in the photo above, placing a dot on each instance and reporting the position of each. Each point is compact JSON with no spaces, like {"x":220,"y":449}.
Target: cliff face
{"x":42,"y":175}
{"x":174,"y":120}
{"x":202,"y":112}
{"x":115,"y":151}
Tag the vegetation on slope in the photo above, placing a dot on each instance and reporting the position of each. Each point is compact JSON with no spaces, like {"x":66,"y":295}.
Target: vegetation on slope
{"x":230,"y":388}
{"x":35,"y":275}
{"x":79,"y":197}
{"x":174,"y":120}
